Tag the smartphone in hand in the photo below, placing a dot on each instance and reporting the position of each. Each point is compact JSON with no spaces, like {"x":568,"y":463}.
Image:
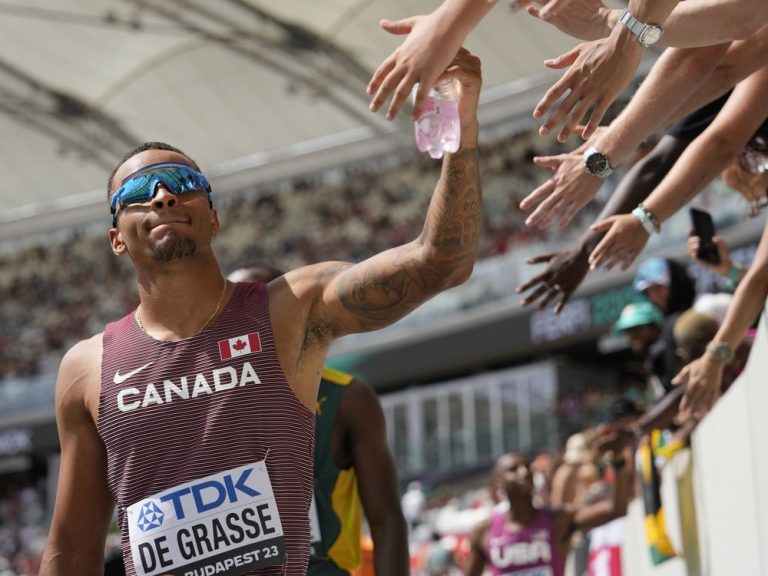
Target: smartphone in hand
{"x":704,"y":228}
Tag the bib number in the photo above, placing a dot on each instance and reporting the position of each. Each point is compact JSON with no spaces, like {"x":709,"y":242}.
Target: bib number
{"x":226,"y":524}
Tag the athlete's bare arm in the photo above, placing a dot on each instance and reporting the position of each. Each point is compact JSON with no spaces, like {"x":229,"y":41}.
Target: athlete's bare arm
{"x":386,"y":287}
{"x":598,"y":513}
{"x":476,"y":560}
{"x":364,"y":429}
{"x":332,"y":299}
{"x":84,"y":505}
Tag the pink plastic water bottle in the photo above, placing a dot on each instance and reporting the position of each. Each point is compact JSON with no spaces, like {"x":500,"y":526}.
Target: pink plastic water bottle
{"x":438,"y":129}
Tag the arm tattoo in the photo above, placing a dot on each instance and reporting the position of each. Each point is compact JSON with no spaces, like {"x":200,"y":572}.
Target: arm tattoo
{"x":390,"y":285}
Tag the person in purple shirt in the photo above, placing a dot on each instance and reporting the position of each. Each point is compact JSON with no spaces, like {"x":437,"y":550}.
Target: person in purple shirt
{"x":522,"y":540}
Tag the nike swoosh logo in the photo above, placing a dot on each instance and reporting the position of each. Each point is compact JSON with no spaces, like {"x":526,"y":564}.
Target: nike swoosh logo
{"x":120,"y":378}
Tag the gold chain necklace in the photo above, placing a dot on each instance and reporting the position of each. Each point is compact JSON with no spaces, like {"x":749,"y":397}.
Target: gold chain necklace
{"x":215,"y":310}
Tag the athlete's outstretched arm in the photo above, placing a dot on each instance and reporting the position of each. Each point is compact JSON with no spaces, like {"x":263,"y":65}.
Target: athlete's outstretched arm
{"x":365,"y":427}
{"x":84,"y":505}
{"x":616,"y":443}
{"x":377,"y":292}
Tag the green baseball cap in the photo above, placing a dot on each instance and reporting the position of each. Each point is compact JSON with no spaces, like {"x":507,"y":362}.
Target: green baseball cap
{"x":638,"y":314}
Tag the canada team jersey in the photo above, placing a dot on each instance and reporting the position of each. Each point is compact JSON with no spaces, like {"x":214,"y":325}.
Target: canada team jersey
{"x":336,"y":510}
{"x":527,"y":552}
{"x":209,"y":451}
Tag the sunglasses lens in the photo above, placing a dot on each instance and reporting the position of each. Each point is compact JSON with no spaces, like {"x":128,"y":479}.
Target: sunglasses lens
{"x":137,"y":190}
{"x":178,"y":178}
{"x":181,"y":180}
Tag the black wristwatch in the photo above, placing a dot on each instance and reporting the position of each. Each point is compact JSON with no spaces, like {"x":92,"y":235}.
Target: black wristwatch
{"x":646,"y":34}
{"x":596,"y":163}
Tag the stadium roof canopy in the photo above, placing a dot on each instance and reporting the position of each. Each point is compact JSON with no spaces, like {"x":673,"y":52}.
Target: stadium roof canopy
{"x":246,"y":87}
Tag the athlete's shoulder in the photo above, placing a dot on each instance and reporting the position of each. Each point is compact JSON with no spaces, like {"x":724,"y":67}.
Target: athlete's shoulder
{"x":85,"y":352}
{"x":84,"y":358}
{"x":79,"y":375}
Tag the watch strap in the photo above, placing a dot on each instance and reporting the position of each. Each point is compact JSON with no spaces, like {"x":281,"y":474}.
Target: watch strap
{"x":638,"y":28}
{"x":633,"y":24}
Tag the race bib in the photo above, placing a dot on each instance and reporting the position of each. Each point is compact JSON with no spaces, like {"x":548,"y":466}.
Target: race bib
{"x":225,"y":524}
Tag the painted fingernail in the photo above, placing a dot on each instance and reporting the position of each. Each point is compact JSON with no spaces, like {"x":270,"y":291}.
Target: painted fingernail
{"x":543,"y":131}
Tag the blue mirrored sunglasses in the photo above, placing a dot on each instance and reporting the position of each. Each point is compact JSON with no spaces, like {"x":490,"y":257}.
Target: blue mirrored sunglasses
{"x":141,"y":186}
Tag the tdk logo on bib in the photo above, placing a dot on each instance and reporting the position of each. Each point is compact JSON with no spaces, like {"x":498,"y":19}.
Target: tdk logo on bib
{"x":151,"y":516}
{"x":210,"y":494}
{"x":226,"y":524}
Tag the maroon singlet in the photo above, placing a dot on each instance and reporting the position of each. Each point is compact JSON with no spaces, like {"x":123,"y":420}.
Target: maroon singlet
{"x":182,"y":423}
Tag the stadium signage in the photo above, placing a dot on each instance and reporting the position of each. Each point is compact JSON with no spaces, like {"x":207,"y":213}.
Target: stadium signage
{"x":546,"y":326}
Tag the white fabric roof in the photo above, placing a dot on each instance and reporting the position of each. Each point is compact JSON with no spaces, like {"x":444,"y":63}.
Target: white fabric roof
{"x":235,"y":83}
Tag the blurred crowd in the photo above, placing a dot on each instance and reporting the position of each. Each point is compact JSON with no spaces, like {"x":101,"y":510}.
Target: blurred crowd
{"x":23,"y":528}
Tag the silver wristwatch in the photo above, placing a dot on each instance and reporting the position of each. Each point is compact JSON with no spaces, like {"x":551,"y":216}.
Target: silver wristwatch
{"x":596,"y":163}
{"x":646,"y":34}
{"x":721,"y":352}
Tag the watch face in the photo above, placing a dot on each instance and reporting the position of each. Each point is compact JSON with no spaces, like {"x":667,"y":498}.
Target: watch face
{"x":650,"y":35}
{"x":597,"y":163}
{"x":721,"y":352}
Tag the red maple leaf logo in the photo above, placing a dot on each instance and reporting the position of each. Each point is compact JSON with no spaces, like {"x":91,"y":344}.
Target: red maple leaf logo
{"x":239,"y":345}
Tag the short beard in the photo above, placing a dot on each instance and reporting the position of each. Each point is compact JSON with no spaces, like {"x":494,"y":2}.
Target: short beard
{"x":174,"y":248}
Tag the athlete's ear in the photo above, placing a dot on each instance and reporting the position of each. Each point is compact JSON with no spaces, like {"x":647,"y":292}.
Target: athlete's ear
{"x":215,"y":226}
{"x":116,"y":241}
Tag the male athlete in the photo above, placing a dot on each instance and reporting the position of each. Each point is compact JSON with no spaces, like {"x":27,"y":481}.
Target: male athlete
{"x":194,"y":414}
{"x":352,"y":465}
{"x":521,"y":539}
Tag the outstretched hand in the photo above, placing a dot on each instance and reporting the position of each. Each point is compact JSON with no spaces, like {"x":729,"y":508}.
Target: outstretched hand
{"x":569,"y":189}
{"x":582,"y":19}
{"x":422,"y":57}
{"x":598,"y":71}
{"x":703,"y":378}
{"x":624,"y":240}
{"x":564,"y":274}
